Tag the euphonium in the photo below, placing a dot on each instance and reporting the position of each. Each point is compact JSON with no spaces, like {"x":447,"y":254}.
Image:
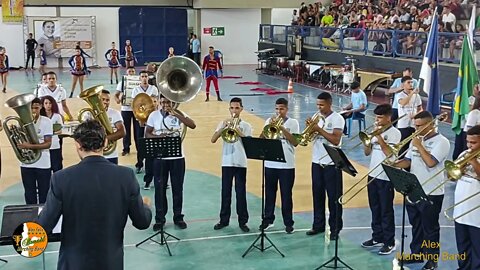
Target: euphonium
{"x":24,"y":131}
{"x":142,"y":106}
{"x":98,"y":112}
{"x":308,"y":133}
{"x":230,"y":133}
{"x":272,"y":130}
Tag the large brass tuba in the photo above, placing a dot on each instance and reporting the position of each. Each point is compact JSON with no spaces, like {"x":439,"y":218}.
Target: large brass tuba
{"x":142,"y":106}
{"x":24,"y":131}
{"x":98,"y":112}
{"x":179,"y":79}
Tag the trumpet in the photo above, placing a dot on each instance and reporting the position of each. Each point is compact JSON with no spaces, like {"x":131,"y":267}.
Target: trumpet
{"x":230,"y":133}
{"x":452,"y":218}
{"x":308,"y":134}
{"x":272,"y":130}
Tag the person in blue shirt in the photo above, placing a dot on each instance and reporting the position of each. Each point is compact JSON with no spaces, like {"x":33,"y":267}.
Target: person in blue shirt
{"x":196,"y":49}
{"x":357,"y":106}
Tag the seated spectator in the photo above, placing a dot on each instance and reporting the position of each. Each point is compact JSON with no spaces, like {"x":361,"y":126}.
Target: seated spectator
{"x":357,"y":106}
{"x":414,"y":40}
{"x":327,"y":20}
{"x":456,"y":43}
{"x":448,"y":17}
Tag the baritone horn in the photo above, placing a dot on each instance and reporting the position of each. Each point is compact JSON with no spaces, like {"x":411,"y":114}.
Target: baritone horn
{"x":24,"y":130}
{"x":98,"y":112}
{"x":230,"y":133}
{"x":142,"y":106}
{"x":272,"y":131}
{"x":308,"y":134}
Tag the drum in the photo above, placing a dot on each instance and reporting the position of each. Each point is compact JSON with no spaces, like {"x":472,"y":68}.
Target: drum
{"x":282,"y":62}
{"x":348,"y":77}
{"x":263,"y":64}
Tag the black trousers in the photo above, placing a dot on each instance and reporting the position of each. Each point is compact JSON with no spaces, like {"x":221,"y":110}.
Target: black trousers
{"x":423,"y":217}
{"x":140,"y":133}
{"x":148,"y":177}
{"x":196,"y":58}
{"x":380,"y":199}
{"x":30,"y":54}
{"x":286,"y":177}
{"x":33,"y":179}
{"x":128,"y":117}
{"x":394,"y":116}
{"x":175,"y":168}
{"x":240,"y":175}
{"x":460,"y":144}
{"x":405,"y":132}
{"x":329,"y":180}
{"x":56,"y":159}
{"x":468,"y":243}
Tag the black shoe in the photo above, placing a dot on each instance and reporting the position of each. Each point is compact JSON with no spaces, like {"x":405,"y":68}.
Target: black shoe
{"x":314,"y":232}
{"x":124,"y":153}
{"x":111,"y":82}
{"x":371,"y":243}
{"x":333,"y":236}
{"x":219,"y":226}
{"x":147,"y":186}
{"x":265,"y":226}
{"x":244,"y":227}
{"x":207,"y":99}
{"x":181,"y":224}
{"x":219,"y":98}
{"x":289,"y":229}
{"x":139,"y":170}
{"x":117,"y":81}
{"x":71,"y":95}
{"x":412,"y":259}
{"x":430,"y":265}
{"x":4,"y":90}
{"x":157,"y":226}
{"x":387,"y":249}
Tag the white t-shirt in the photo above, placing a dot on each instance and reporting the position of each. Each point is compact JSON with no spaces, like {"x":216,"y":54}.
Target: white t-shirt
{"x":114,"y":117}
{"x":319,"y":154}
{"x":438,"y":146}
{"x":288,"y":149}
{"x":56,"y":119}
{"x":466,"y":187}
{"x":473,"y":119}
{"x":391,"y":136}
{"x":166,"y":124}
{"x":150,"y":90}
{"x":410,"y":109}
{"x":59,"y":94}
{"x":471,"y":101}
{"x":44,"y":128}
{"x":233,"y":154}
{"x":396,"y":84}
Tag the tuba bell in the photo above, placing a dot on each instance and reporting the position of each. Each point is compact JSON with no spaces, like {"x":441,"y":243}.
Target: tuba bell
{"x":179,"y":79}
{"x":142,"y":106}
{"x":98,"y":112}
{"x":24,"y":131}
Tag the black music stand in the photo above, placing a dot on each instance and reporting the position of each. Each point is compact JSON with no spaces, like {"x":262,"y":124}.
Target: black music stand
{"x":160,"y":148}
{"x":263,"y":149}
{"x":341,"y":163}
{"x":406,"y":184}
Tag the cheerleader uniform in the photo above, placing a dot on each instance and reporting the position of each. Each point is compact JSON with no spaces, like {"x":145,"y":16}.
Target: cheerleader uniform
{"x":112,"y":57}
{"x":3,"y":63}
{"x":43,"y":58}
{"x":129,"y":53}
{"x":77,"y":62}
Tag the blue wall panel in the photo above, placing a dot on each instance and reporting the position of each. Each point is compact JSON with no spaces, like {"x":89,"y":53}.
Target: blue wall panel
{"x":152,"y":31}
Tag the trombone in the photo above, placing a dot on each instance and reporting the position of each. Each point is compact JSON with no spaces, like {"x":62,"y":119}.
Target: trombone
{"x":394,"y":151}
{"x":452,"y":218}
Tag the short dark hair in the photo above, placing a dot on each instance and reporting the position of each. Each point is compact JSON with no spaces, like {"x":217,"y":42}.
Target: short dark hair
{"x":407,"y":69}
{"x":325,"y":96}
{"x":129,"y":67}
{"x":424,"y":115}
{"x":51,"y":73}
{"x":406,"y":78}
{"x":281,"y":101}
{"x":143,"y":72}
{"x":47,"y":21}
{"x":211,"y":47}
{"x":90,"y":135}
{"x":383,"y":109}
{"x":355,"y":85}
{"x":475,"y":130}
{"x":105,"y":91}
{"x":237,"y":99}
{"x":36,"y":101}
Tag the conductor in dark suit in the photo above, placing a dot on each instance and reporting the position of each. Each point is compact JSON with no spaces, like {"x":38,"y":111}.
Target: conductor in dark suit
{"x":95,"y":198}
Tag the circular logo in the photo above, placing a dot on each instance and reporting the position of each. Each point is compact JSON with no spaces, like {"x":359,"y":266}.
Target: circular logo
{"x":29,"y":239}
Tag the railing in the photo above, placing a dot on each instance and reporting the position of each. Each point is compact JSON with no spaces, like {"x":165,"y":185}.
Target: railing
{"x":389,"y":43}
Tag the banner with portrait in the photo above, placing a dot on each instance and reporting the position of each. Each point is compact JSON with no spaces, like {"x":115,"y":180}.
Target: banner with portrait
{"x":12,"y":11}
{"x":61,"y":35}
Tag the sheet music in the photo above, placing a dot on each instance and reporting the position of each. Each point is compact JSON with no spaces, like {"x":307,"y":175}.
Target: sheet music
{"x":58,"y":227}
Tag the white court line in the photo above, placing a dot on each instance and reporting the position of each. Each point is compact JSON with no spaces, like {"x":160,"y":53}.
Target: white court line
{"x":230,"y":236}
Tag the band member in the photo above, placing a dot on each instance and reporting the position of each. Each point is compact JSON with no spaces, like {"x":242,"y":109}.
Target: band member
{"x":116,"y":122}
{"x":43,"y":59}
{"x":31,"y":46}
{"x":397,"y":87}
{"x":36,"y":176}
{"x":325,"y":177}
{"x":50,"y":110}
{"x":127,"y":114}
{"x":41,"y":84}
{"x":152,"y":91}
{"x":426,"y":156}
{"x":409,"y":103}
{"x":380,"y":190}
{"x":171,"y":52}
{"x":4,"y":67}
{"x":57,"y":92}
{"x":78,"y":71}
{"x":357,"y":106}
{"x":129,"y":54}
{"x":473,"y":117}
{"x":161,"y":123}
{"x":284,"y":173}
{"x":112,"y":58}
{"x":78,"y":193}
{"x":467,"y":227}
{"x":234,"y":165}
{"x":210,"y":65}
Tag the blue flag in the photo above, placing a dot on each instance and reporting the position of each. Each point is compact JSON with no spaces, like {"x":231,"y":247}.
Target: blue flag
{"x":429,"y":71}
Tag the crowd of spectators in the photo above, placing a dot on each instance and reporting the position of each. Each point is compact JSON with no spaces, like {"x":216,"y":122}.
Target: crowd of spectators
{"x":414,"y":16}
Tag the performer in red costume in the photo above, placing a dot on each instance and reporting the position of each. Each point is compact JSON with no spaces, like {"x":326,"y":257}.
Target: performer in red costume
{"x":112,"y":58}
{"x":210,"y":65}
{"x":129,"y":55}
{"x":79,"y":69}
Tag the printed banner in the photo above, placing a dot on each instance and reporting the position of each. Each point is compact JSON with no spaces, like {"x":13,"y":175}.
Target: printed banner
{"x":12,"y":11}
{"x":61,"y":35}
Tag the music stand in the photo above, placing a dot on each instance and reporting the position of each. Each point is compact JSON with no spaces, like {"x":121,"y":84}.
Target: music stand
{"x":406,"y":184}
{"x":160,"y":148}
{"x":263,"y":149}
{"x":341,"y":163}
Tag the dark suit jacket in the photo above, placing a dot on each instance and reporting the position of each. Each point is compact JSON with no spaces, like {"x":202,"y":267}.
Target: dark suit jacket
{"x":95,"y":198}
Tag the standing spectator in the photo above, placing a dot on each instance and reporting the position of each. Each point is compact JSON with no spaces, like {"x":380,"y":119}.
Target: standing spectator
{"x":294,"y":17}
{"x":31,"y":47}
{"x":196,"y":49}
{"x":190,"y":47}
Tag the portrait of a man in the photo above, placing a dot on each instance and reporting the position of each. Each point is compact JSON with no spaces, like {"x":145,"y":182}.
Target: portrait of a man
{"x":46,"y":33}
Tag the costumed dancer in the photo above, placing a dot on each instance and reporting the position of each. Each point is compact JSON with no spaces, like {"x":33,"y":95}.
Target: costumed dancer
{"x":210,"y":65}
{"x":4,"y":67}
{"x":79,"y":69}
{"x":112,"y":58}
